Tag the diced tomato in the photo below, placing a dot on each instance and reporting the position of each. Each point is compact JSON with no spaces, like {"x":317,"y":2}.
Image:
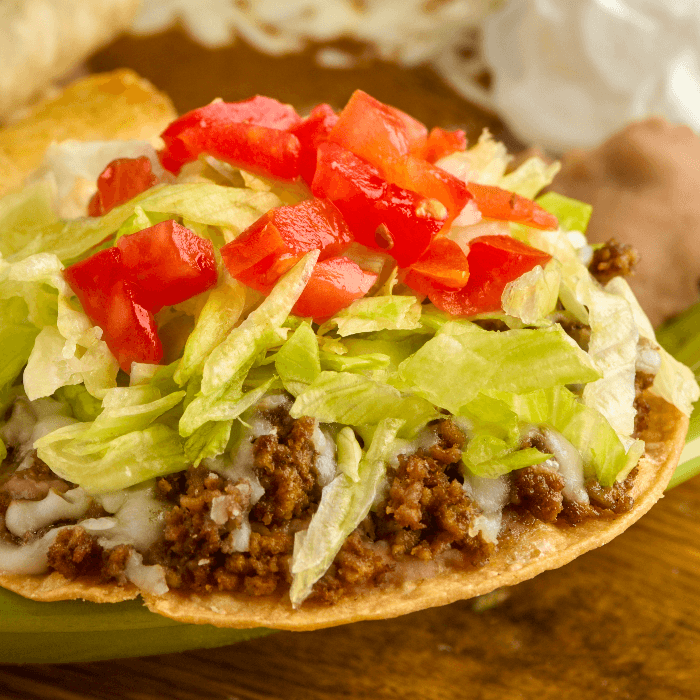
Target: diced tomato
{"x":120,"y":181}
{"x":93,"y":279}
{"x":310,"y":133}
{"x":256,"y":148}
{"x":496,"y":203}
{"x":385,"y":137}
{"x":268,"y":248}
{"x":443,"y":263}
{"x":251,"y":134}
{"x":115,"y":305}
{"x":375,"y":131}
{"x":380,"y":215}
{"x":432,"y":182}
{"x":120,"y":288}
{"x":334,"y":284}
{"x":493,"y":262}
{"x":258,"y":110}
{"x":441,"y":143}
{"x":169,"y":263}
{"x":130,"y":329}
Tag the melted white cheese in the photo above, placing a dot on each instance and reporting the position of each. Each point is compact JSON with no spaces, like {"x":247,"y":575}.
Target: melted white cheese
{"x":326,"y":463}
{"x":31,"y":558}
{"x":491,"y":495}
{"x":567,"y":461}
{"x":23,"y":517}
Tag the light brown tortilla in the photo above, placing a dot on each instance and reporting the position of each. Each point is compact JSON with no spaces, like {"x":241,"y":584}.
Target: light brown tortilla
{"x":141,"y":112}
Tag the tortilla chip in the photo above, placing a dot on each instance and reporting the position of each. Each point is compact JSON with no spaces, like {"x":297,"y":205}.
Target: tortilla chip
{"x":43,"y":39}
{"x":118,"y":105}
{"x":141,"y":112}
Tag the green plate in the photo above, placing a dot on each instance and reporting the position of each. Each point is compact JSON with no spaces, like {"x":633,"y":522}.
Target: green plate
{"x":32,"y":632}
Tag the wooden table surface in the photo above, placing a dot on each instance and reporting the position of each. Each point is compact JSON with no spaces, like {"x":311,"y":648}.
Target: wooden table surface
{"x":621,"y":622}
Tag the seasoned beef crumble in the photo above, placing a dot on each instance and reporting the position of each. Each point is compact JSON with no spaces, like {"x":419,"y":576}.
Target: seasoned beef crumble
{"x":613,"y":259}
{"x":76,"y":553}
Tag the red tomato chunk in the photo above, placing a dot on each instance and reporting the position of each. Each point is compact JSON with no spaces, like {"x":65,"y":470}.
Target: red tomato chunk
{"x":334,"y":284}
{"x":268,"y":248}
{"x":493,"y":262}
{"x":120,"y":181}
{"x":441,"y":143}
{"x":496,"y":203}
{"x":169,"y":263}
{"x":252,"y":134}
{"x":381,"y":215}
{"x":120,"y":288}
{"x":311,"y":132}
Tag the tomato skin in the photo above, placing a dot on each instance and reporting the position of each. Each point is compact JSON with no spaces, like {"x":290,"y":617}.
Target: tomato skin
{"x":432,"y":182}
{"x":121,"y":287}
{"x":441,"y":143}
{"x":310,"y":133}
{"x":367,"y":202}
{"x":493,"y":262}
{"x":386,"y":137}
{"x":92,"y":281}
{"x":375,"y":131}
{"x":334,"y":284}
{"x":120,"y":181}
{"x":130,"y":329}
{"x":256,"y":148}
{"x":169,"y":263}
{"x":252,"y":134}
{"x":444,"y":263}
{"x":496,"y":203}
{"x":268,"y":248}
{"x":115,"y":305}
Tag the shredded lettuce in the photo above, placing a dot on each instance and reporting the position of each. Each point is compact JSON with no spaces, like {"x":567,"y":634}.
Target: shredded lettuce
{"x":377,"y":314}
{"x":217,"y":318}
{"x":604,"y":455}
{"x":69,"y":349}
{"x":571,"y":214}
{"x":534,"y":295}
{"x":530,"y":177}
{"x":352,"y":399}
{"x":232,"y":208}
{"x":674,"y":381}
{"x":125,"y":444}
{"x":463,"y":360}
{"x":345,"y":502}
{"x":298,"y":362}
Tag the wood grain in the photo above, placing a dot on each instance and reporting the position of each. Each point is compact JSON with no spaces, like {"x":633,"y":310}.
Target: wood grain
{"x":620,"y":622}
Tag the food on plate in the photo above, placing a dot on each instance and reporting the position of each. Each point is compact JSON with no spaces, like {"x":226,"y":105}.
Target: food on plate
{"x":299,"y":371}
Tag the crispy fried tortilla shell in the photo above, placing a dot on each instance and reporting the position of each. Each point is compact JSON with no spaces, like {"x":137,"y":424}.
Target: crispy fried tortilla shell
{"x":522,"y":554}
{"x":121,"y":105}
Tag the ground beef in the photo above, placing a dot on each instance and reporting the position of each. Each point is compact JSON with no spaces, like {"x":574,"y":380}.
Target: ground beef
{"x":285,"y":466}
{"x":538,"y":490}
{"x":356,"y":564}
{"x":427,"y":510}
{"x":613,"y":259}
{"x":579,"y":332}
{"x":605,"y":501}
{"x":197,"y":551}
{"x":76,"y":553}
{"x":642,"y":382}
